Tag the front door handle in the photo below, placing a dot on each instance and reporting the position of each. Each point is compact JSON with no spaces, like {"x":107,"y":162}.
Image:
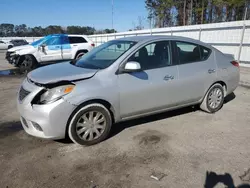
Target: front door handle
{"x":210,"y":71}
{"x":168,"y":77}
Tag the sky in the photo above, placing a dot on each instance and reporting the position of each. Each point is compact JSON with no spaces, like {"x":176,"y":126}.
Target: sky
{"x":93,"y":13}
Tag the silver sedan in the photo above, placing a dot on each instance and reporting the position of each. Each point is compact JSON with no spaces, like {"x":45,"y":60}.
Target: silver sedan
{"x":124,"y":79}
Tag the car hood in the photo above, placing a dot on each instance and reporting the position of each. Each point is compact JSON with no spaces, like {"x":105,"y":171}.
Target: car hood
{"x":60,"y":72}
{"x":24,"y":47}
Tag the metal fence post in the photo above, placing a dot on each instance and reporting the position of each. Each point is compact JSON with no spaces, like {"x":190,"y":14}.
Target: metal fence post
{"x":242,"y":35}
{"x":200,"y":34}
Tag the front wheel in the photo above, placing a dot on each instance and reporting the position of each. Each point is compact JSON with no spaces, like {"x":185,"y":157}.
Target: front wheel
{"x":90,"y":125}
{"x":214,"y":99}
{"x":28,"y":63}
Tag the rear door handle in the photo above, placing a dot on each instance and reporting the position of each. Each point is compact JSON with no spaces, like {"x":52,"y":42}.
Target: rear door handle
{"x":210,"y":71}
{"x":75,"y":45}
{"x":168,"y":77}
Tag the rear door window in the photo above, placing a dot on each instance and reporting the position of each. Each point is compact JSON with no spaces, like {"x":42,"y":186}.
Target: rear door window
{"x":188,"y":52}
{"x":74,"y":40}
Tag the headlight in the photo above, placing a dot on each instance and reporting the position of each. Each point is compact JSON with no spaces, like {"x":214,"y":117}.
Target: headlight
{"x":56,"y":93}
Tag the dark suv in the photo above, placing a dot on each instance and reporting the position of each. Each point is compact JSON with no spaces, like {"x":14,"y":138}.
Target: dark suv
{"x":19,"y":42}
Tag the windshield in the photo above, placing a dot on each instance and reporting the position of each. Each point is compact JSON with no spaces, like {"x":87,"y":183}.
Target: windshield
{"x":104,"y":55}
{"x":38,"y":42}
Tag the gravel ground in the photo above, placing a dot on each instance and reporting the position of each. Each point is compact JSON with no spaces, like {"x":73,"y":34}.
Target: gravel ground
{"x":179,"y":146}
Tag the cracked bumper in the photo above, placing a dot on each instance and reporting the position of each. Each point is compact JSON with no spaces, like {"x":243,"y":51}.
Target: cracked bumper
{"x":12,"y":58}
{"x":45,"y":121}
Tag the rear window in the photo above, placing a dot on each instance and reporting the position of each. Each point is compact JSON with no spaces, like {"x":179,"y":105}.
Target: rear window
{"x":74,"y":40}
{"x":205,"y":52}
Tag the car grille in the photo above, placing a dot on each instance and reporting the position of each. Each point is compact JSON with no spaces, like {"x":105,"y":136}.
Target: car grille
{"x":23,"y":93}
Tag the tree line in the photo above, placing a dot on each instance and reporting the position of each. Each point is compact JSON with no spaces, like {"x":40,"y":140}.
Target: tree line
{"x":11,"y":30}
{"x":165,"y":13}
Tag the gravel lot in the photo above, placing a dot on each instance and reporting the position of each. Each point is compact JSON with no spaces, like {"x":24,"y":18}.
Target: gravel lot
{"x":183,"y":145}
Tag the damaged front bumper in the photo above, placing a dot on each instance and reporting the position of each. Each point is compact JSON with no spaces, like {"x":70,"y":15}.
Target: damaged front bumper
{"x":12,"y":58}
{"x":42,"y":120}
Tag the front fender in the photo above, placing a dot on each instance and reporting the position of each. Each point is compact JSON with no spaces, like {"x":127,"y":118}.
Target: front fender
{"x":93,"y":89}
{"x":26,"y":52}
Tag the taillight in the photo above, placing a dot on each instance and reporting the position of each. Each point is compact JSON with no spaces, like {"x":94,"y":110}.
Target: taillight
{"x":93,"y":44}
{"x":235,"y":63}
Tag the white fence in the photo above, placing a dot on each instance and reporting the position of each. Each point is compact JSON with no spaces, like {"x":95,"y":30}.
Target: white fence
{"x":226,"y":36}
{"x":229,"y":37}
{"x":28,"y":39}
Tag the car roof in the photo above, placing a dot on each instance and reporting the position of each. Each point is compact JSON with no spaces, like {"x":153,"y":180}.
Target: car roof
{"x":146,"y":38}
{"x":69,"y":35}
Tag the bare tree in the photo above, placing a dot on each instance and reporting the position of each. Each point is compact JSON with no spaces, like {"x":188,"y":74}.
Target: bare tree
{"x":139,"y":25}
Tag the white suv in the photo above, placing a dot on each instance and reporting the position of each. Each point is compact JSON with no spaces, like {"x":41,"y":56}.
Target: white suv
{"x":52,"y":48}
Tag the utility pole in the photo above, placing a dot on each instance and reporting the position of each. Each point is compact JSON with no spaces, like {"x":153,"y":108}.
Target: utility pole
{"x":112,"y":2}
{"x":242,"y":34}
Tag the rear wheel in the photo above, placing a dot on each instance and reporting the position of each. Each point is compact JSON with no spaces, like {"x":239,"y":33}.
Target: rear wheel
{"x":90,"y":125}
{"x":214,"y":99}
{"x":28,"y":63}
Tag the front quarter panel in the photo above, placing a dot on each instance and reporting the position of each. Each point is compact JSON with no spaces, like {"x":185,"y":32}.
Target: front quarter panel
{"x":101,"y":87}
{"x":26,"y":51}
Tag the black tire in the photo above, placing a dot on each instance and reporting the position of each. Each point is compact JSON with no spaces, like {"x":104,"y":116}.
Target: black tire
{"x":205,"y":103}
{"x":10,"y":46}
{"x":72,"y":129}
{"x":27,"y":64}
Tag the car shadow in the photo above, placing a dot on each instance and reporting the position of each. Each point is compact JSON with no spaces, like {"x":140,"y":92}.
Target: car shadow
{"x":212,"y":179}
{"x":229,"y":98}
{"x":119,"y":127}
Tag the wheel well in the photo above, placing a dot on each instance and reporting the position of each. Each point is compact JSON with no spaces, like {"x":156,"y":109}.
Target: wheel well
{"x":99,"y":101}
{"x":23,"y":56}
{"x":223,"y":85}
{"x":79,"y":51}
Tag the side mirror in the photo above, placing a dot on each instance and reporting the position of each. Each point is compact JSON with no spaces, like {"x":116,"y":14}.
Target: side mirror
{"x":42,"y":46}
{"x":132,"y":66}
